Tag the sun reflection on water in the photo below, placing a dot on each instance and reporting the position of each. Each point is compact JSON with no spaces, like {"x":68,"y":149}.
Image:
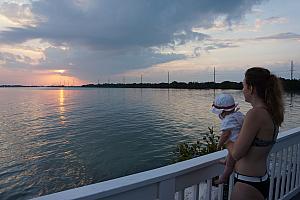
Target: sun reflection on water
{"x":62,"y":106}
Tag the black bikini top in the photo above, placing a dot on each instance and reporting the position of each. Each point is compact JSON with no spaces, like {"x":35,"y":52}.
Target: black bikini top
{"x":264,"y":143}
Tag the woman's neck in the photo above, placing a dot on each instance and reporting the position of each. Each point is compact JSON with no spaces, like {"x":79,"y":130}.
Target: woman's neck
{"x":257,"y":102}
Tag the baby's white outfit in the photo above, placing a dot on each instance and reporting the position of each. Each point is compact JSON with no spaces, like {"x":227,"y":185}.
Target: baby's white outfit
{"x":233,"y":122}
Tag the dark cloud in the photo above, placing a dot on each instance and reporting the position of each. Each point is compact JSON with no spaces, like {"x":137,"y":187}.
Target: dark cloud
{"x":112,"y":36}
{"x":127,"y":23}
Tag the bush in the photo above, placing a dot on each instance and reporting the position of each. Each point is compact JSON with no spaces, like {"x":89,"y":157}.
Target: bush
{"x":207,"y":144}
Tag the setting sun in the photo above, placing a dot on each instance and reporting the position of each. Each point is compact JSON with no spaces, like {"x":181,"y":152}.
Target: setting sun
{"x":61,"y":71}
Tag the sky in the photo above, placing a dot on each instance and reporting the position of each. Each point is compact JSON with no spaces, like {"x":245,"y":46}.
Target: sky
{"x":74,"y":42}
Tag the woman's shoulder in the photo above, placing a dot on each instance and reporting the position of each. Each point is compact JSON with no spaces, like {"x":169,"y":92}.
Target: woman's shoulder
{"x":257,"y":114}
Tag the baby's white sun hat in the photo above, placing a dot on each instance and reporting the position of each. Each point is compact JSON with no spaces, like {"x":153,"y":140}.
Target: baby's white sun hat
{"x":223,"y":102}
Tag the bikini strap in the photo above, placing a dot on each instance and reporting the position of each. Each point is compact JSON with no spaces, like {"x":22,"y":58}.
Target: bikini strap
{"x":263,"y":143}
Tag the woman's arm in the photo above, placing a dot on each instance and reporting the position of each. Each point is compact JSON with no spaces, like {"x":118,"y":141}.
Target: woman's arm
{"x":246,"y":136}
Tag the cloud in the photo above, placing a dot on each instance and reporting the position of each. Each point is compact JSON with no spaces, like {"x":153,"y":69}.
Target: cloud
{"x":22,"y":55}
{"x":116,"y":24}
{"x":112,"y":36}
{"x":280,"y":36}
{"x":219,"y":45}
{"x":90,"y":64}
{"x":14,"y":61}
{"x":271,"y":20}
{"x":230,"y":43}
{"x":197,"y":51}
{"x":221,"y":24}
{"x":17,"y":14}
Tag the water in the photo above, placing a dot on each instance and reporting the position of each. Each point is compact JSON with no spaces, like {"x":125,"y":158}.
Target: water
{"x":54,"y":139}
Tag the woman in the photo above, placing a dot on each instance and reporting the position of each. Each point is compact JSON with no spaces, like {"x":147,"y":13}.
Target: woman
{"x":264,"y":92}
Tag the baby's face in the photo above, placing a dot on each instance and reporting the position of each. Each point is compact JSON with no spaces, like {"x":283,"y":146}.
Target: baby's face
{"x":222,"y":115}
{"x":225,"y":113}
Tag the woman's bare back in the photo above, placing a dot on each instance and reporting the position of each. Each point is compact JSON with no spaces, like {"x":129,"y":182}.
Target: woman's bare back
{"x":254,"y":163}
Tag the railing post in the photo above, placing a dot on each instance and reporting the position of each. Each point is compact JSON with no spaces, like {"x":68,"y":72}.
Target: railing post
{"x":220,"y":191}
{"x":283,"y":172}
{"x":289,"y":168}
{"x":167,"y":189}
{"x":294,"y":163}
{"x":231,"y":185}
{"x":181,"y":195}
{"x":208,"y":190}
{"x":273,"y":160}
{"x":196,"y":192}
{"x":278,"y":174}
{"x":298,"y":166}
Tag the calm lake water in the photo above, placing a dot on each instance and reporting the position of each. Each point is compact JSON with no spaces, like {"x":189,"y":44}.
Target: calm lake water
{"x":53,"y":139}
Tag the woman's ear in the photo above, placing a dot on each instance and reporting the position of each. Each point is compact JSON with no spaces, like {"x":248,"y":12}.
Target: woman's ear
{"x":251,"y":89}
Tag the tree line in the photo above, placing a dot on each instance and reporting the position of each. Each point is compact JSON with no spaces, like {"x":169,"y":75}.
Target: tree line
{"x":288,"y":85}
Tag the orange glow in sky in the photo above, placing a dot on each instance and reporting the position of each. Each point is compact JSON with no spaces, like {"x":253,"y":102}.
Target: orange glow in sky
{"x":59,"y":79}
{"x":46,"y":78}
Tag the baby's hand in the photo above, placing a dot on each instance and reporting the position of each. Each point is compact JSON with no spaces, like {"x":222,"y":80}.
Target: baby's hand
{"x":220,"y":146}
{"x":223,"y":138}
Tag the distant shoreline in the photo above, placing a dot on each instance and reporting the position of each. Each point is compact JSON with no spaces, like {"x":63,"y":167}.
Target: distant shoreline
{"x":289,"y":85}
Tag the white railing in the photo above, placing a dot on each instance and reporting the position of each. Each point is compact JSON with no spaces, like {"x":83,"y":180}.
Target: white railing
{"x":192,"y":179}
{"x":284,"y":163}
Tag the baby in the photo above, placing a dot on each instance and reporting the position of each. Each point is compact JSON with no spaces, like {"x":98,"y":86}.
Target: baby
{"x":231,"y":123}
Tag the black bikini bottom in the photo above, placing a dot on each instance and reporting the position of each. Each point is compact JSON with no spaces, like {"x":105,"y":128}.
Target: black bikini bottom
{"x":261,"y":183}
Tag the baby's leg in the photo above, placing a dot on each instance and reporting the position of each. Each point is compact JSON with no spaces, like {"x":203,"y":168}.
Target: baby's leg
{"x":227,"y":171}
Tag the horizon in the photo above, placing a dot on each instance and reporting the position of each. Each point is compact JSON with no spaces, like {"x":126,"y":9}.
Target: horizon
{"x":81,"y":42}
{"x":133,"y":83}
